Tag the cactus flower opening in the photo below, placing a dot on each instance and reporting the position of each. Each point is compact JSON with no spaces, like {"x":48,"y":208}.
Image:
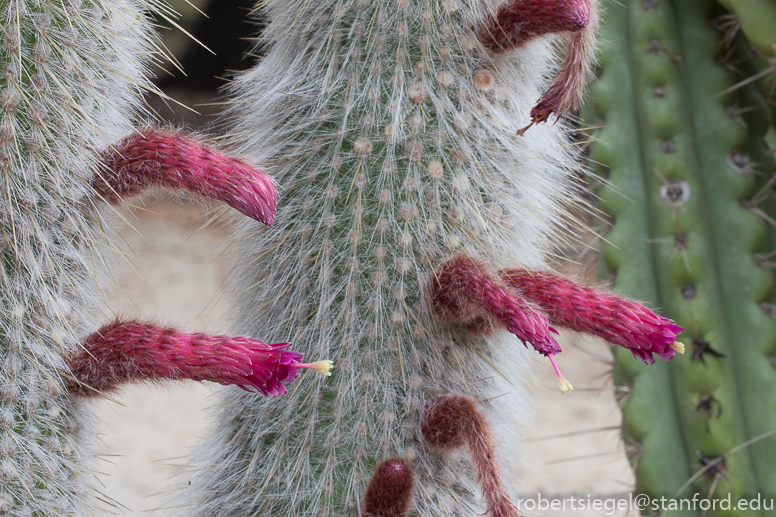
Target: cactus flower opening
{"x":129,"y":350}
{"x":564,"y":385}
{"x":618,"y":320}
{"x":322,"y":367}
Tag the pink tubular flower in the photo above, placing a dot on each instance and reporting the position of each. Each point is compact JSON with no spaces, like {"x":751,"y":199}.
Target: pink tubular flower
{"x":519,"y":21}
{"x":159,"y":158}
{"x":463,"y":292}
{"x":584,"y":309}
{"x":128,"y":351}
{"x":454,"y":422}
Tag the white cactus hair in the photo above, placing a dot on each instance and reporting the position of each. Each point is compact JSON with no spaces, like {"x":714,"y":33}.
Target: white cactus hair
{"x":73,"y":74}
{"x":393,"y":137}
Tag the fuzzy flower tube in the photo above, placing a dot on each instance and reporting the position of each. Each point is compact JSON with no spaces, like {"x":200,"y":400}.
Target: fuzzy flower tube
{"x":394,"y":129}
{"x":127,"y":351}
{"x":466,"y":293}
{"x":70,"y":76}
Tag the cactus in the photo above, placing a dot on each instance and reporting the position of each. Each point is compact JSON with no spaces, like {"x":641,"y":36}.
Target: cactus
{"x":393,"y":133}
{"x":72,"y":72}
{"x":684,"y":169}
{"x":420,"y":185}
{"x":756,"y":19}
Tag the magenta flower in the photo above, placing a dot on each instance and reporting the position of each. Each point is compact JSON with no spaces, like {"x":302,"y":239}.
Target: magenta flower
{"x":520,"y":21}
{"x":464,"y":292}
{"x":159,"y":158}
{"x":130,"y":351}
{"x":584,"y":309}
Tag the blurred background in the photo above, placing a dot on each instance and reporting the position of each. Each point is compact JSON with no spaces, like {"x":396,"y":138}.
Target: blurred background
{"x":174,"y":264}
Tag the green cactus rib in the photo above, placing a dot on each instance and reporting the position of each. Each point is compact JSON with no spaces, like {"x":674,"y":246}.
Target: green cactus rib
{"x":743,"y":284}
{"x":652,"y":426}
{"x":677,"y":203}
{"x":757,"y":21}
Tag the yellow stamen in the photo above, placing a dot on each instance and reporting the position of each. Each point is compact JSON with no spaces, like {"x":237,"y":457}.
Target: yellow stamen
{"x":565,"y":386}
{"x":678,"y":347}
{"x":323,"y":367}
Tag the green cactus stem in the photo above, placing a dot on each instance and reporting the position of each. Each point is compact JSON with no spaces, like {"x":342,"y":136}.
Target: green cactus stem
{"x":758,"y":22}
{"x":685,"y":234}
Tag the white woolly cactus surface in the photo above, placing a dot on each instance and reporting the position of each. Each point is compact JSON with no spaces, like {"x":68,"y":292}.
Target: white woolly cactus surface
{"x":392,"y":134}
{"x":71,"y":77}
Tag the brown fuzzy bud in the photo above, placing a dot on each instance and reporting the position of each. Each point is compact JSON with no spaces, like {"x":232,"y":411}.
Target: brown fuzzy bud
{"x":448,"y":422}
{"x":390,"y":490}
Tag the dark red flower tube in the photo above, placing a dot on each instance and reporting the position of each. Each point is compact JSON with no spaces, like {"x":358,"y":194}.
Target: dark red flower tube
{"x":464,"y":292}
{"x":519,"y":21}
{"x":453,"y":422}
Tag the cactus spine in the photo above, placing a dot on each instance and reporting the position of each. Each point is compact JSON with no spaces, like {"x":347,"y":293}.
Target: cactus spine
{"x":682,"y":177}
{"x":393,"y":133}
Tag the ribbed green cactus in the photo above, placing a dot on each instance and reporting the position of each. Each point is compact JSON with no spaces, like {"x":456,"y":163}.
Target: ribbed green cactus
{"x":684,"y":155}
{"x":757,"y":19}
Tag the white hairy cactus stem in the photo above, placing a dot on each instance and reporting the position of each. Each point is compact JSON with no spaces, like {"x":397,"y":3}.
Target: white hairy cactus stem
{"x":393,"y":134}
{"x":71,"y":74}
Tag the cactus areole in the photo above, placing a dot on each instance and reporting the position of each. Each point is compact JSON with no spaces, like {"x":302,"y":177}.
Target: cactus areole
{"x":403,"y":134}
